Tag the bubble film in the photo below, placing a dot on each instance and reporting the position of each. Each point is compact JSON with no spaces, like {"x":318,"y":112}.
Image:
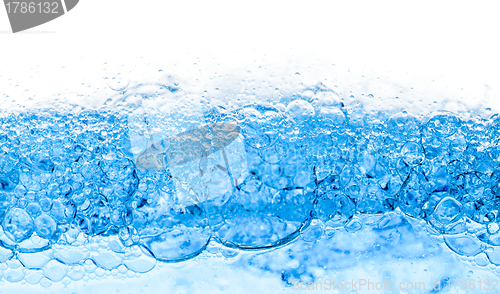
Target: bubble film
{"x":89,"y":193}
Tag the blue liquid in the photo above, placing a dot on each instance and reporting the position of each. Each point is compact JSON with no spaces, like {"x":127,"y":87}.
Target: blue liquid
{"x":73,"y":195}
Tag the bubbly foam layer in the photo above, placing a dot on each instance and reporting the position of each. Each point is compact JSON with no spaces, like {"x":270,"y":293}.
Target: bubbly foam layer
{"x":78,"y":202}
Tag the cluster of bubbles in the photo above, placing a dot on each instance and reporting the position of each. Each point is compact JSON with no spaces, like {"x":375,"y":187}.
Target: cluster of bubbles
{"x":75,"y":205}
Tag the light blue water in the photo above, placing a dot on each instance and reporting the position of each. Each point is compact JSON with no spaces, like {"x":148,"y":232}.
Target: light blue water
{"x":75,"y":205}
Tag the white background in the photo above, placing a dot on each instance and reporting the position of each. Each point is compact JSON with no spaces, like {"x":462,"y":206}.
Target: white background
{"x":438,"y":48}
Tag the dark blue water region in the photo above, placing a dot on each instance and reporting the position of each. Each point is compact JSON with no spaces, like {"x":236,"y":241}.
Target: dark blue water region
{"x":77,"y":190}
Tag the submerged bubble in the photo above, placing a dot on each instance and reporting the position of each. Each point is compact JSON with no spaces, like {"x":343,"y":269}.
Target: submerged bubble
{"x":448,"y":211}
{"x":445,"y":124}
{"x":300,"y":110}
{"x":45,"y":226}
{"x":17,"y":224}
{"x":412,"y":153}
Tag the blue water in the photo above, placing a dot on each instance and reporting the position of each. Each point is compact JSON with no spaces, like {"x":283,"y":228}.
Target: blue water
{"x":77,"y":206}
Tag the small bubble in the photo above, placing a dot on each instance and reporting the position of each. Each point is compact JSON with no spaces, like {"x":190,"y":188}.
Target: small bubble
{"x":119,"y":82}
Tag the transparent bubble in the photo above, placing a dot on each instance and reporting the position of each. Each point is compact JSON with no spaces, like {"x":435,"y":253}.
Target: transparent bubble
{"x":445,"y":124}
{"x":412,"y":153}
{"x":18,"y":224}
{"x":118,"y":82}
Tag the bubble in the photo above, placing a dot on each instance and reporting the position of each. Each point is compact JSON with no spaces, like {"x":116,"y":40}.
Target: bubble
{"x":403,"y":126}
{"x":300,"y":110}
{"x":313,"y":233}
{"x":412,"y":153}
{"x":445,"y":124}
{"x":230,"y":253}
{"x":118,"y":82}
{"x":13,"y":275}
{"x":54,"y":271}
{"x":463,"y":245}
{"x":18,"y":225}
{"x":354,"y":225}
{"x":45,"y":226}
{"x":46,"y":283}
{"x":448,"y":211}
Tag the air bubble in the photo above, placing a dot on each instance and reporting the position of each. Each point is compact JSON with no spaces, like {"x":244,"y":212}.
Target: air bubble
{"x":118,"y":82}
{"x":412,"y":153}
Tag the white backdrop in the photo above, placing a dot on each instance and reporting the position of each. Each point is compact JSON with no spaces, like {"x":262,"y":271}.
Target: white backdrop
{"x":438,"y":48}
